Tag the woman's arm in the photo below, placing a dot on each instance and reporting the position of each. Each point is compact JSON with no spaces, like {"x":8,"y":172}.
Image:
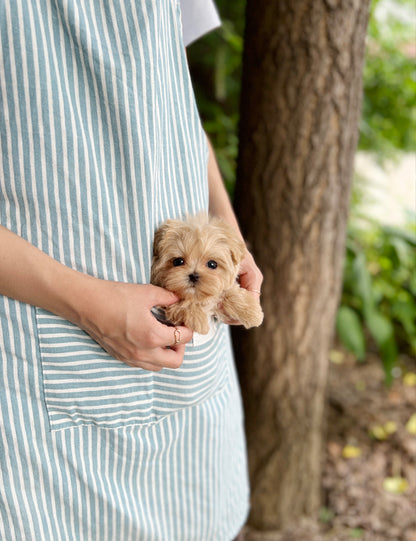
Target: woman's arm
{"x":115,"y":314}
{"x":251,"y":277}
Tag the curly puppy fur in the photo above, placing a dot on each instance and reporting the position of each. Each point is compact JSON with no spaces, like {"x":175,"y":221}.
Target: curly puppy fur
{"x":198,"y":259}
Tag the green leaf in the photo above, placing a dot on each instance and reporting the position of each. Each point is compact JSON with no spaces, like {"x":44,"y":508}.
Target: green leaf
{"x":363,"y":285}
{"x":350,"y":331}
{"x":380,"y":327}
{"x":382,"y":331}
{"x":356,"y":533}
{"x":408,"y":238}
{"x":405,"y":312}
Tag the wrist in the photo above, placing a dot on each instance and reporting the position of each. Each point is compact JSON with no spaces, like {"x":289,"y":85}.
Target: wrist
{"x":31,"y":276}
{"x":72,"y":295}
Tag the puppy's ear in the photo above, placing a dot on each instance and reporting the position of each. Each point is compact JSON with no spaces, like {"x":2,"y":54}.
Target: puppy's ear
{"x":237,"y":249}
{"x":158,"y":238}
{"x":236,"y":246}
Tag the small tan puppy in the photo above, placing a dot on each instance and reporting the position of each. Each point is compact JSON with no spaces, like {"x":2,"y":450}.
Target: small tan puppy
{"x":198,"y":260}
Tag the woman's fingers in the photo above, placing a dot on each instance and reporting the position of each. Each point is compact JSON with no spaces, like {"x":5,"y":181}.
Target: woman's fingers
{"x":251,"y":277}
{"x":173,"y":336}
{"x":119,"y":318}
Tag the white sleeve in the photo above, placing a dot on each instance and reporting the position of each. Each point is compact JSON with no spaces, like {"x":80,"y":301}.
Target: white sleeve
{"x":198,"y":18}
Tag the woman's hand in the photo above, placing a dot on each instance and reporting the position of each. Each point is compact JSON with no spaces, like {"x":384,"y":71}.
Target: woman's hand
{"x":115,"y":314}
{"x":118,"y":317}
{"x":251,"y":279}
{"x":250,"y":276}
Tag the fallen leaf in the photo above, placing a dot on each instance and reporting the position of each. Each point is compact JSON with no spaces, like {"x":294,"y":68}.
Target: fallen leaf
{"x":411,"y":424}
{"x":356,"y":533}
{"x":361,"y":385}
{"x":382,"y":432}
{"x":390,"y":427}
{"x":336,"y":357}
{"x":378,"y":432}
{"x":409,"y":379}
{"x":351,"y":451}
{"x":395,"y":485}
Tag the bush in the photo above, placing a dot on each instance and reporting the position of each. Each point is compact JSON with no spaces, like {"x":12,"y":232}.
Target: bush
{"x":389,"y":116}
{"x":378,"y":306}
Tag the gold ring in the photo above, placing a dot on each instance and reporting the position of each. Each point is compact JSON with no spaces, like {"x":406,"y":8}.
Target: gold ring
{"x":256,"y":291}
{"x":177,"y":336}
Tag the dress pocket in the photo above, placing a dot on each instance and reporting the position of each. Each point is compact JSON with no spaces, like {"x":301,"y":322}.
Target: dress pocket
{"x":84,"y":385}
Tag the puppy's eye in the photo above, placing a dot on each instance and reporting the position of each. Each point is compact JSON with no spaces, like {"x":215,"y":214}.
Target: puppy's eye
{"x":178,"y":262}
{"x":212,"y":264}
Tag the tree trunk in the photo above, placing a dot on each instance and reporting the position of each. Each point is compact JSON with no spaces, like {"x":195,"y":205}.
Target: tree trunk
{"x":301,"y":100}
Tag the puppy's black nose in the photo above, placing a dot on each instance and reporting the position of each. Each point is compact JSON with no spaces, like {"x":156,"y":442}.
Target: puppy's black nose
{"x":194,"y":277}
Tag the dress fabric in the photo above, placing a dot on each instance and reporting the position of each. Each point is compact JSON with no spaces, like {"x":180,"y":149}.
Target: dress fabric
{"x":100,"y":141}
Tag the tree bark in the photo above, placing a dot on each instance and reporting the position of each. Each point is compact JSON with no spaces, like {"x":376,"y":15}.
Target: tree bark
{"x":300,"y":109}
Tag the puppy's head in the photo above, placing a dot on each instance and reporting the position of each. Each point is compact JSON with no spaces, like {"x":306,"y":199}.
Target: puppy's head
{"x":197,"y":258}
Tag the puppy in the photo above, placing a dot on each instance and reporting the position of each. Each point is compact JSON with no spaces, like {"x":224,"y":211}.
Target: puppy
{"x":198,"y":259}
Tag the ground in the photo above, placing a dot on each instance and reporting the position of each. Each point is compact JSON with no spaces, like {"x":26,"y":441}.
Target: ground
{"x":369,"y":474}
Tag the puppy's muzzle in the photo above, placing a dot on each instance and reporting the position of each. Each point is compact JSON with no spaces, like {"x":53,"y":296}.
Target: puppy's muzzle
{"x":194,"y":277}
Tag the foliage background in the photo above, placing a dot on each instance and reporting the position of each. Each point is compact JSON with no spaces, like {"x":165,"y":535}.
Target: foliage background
{"x":378,"y":305}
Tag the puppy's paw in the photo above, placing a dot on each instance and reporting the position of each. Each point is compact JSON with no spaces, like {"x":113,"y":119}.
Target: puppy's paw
{"x":241,"y":306}
{"x":175,"y":314}
{"x":253,"y":314}
{"x":197,"y":320}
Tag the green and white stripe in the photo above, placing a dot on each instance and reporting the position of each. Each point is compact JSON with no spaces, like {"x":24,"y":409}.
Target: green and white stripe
{"x":100,"y":141}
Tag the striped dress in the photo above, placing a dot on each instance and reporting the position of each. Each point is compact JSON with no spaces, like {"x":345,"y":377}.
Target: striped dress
{"x":100,"y":141}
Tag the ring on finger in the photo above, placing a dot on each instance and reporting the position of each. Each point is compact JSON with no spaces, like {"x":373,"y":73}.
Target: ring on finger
{"x":177,"y":336}
{"x":256,"y":291}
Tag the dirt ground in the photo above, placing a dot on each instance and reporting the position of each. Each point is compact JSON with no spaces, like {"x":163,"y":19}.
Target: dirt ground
{"x":369,"y":478}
